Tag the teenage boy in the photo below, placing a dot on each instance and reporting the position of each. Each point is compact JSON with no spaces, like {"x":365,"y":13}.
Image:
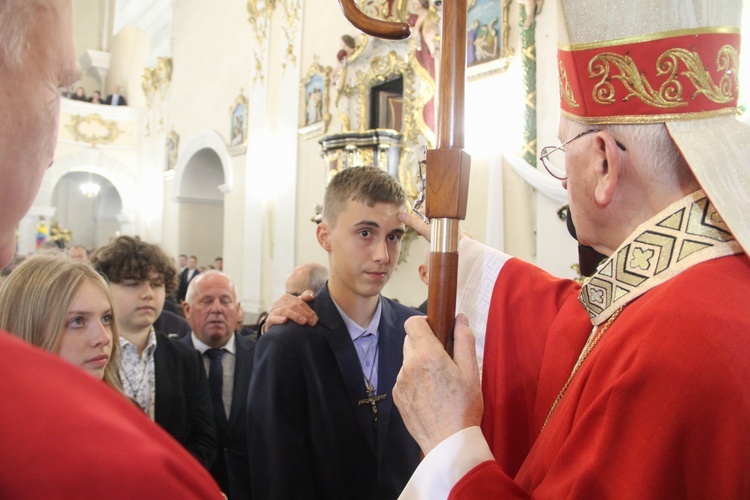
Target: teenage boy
{"x":165,"y":378}
{"x":321,"y":410}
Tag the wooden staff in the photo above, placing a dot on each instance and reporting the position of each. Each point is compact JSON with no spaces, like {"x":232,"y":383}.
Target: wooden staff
{"x":447,"y":171}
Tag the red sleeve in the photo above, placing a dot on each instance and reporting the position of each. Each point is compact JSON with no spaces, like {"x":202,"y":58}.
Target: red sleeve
{"x":486,"y":480}
{"x":527,"y":305}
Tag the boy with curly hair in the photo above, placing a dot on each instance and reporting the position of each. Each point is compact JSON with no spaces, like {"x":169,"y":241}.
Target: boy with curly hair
{"x":163,"y":377}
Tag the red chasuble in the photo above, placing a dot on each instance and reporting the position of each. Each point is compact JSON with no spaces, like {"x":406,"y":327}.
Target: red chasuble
{"x":660,"y":408}
{"x":64,"y":434}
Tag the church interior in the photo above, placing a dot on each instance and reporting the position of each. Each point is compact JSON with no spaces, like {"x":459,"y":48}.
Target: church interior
{"x":238,"y":113}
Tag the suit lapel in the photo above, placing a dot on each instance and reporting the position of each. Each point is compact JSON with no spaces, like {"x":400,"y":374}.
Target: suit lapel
{"x":163,"y":370}
{"x":243,"y":367}
{"x":346,"y":356}
{"x":390,"y":341}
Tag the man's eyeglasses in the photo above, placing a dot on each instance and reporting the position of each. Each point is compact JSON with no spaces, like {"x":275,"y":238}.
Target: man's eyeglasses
{"x":549,"y":165}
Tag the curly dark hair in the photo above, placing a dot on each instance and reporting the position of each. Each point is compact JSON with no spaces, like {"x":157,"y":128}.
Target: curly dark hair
{"x":129,"y":258}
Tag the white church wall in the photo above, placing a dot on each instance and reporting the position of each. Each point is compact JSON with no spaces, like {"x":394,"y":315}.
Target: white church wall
{"x":322,"y":27}
{"x":266,"y":218}
{"x":211,"y":46}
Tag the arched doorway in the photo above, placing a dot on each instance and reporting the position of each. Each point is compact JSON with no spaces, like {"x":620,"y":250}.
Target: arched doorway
{"x":92,"y":219}
{"x":200,"y":194}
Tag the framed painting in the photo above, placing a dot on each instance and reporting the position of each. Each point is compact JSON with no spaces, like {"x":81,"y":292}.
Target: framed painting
{"x":487,"y":37}
{"x":238,"y":126}
{"x":172,"y":144}
{"x":314,"y":100}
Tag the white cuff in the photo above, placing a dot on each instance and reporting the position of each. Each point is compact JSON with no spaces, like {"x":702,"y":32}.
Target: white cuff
{"x":446,"y":464}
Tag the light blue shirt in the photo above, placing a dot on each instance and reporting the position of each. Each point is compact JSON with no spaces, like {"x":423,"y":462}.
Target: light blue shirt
{"x":365,"y":342}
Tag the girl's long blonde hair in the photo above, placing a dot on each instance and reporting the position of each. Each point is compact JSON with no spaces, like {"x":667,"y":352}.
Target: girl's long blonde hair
{"x":35,"y":298}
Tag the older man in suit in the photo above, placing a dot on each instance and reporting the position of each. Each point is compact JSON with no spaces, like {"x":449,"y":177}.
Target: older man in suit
{"x":212,"y":308}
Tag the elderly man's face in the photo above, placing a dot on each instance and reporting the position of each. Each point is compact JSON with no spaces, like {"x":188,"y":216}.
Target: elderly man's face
{"x":31,"y":107}
{"x":212,"y":309}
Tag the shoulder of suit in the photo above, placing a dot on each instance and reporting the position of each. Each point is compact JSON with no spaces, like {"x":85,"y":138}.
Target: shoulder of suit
{"x":399,"y":308}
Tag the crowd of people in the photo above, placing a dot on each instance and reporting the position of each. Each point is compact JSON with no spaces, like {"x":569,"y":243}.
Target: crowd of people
{"x":79,"y":94}
{"x":630,"y":385}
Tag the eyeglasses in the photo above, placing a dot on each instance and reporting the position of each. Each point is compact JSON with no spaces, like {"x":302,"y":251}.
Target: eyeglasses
{"x":549,"y":165}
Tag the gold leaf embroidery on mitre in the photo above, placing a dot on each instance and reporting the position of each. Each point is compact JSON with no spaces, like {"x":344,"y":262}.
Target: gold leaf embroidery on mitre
{"x":727,"y":62}
{"x":670,"y":93}
{"x":566,"y":93}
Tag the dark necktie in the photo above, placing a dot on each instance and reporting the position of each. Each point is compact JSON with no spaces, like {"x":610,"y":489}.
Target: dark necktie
{"x":216,"y":382}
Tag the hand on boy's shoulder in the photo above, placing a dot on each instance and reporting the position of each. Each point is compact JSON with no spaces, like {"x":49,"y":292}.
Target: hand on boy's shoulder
{"x":289,"y":307}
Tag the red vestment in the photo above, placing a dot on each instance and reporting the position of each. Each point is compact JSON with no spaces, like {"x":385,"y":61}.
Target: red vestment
{"x":659,"y":409}
{"x":64,"y":434}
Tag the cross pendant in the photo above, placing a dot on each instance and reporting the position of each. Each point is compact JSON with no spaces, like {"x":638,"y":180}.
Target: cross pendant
{"x":371,"y":399}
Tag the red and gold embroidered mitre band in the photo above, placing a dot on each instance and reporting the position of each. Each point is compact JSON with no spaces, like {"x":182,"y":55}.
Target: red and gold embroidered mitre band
{"x":678,"y":75}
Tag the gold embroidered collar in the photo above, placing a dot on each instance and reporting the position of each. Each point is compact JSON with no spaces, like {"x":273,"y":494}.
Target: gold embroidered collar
{"x":688,"y":232}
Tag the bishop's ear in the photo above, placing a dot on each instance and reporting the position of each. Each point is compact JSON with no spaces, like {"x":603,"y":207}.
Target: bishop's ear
{"x":609,"y":167}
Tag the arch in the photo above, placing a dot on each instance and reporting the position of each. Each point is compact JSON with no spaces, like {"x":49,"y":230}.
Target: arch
{"x":91,"y":160}
{"x":197,"y":145}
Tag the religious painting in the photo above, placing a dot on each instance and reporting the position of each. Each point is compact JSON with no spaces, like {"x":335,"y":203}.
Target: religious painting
{"x":173,"y":143}
{"x":314,"y":100}
{"x":238,"y":126}
{"x":487,"y":37}
{"x":387,"y":104}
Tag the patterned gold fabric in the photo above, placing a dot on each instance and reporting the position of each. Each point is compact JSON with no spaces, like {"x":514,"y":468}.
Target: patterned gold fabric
{"x":688,"y":232}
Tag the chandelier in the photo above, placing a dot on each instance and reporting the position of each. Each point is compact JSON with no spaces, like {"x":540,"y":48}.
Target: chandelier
{"x":90,"y":189}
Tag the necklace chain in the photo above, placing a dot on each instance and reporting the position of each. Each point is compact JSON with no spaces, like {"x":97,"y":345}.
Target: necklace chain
{"x":374,"y":363}
{"x":587,"y":350}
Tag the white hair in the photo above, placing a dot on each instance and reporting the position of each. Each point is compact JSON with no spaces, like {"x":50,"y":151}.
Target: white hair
{"x":190,"y":294}
{"x":650,"y":145}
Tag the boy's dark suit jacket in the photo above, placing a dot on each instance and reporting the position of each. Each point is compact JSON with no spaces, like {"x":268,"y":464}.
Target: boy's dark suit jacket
{"x":309,"y":437}
{"x":232,"y":468}
{"x":183,"y":406}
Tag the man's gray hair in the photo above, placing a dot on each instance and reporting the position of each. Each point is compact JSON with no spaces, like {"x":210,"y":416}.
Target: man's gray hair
{"x":317,"y":277}
{"x":652,"y":148}
{"x":190,"y":294}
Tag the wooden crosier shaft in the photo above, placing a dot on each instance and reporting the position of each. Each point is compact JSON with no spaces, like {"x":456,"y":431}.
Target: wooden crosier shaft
{"x":447,"y":175}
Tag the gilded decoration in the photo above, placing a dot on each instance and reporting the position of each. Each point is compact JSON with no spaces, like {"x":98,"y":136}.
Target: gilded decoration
{"x":290,"y":27}
{"x":155,"y":84}
{"x":566,"y":93}
{"x":93,"y":129}
{"x":670,"y":93}
{"x":259,"y":14}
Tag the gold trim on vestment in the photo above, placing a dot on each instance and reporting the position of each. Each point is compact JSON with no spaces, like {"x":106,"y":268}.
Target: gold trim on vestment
{"x":661,"y":118}
{"x":650,"y":37}
{"x":686,"y":233}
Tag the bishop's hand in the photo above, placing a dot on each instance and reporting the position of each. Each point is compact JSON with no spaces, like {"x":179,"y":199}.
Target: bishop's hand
{"x":438,"y":396}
